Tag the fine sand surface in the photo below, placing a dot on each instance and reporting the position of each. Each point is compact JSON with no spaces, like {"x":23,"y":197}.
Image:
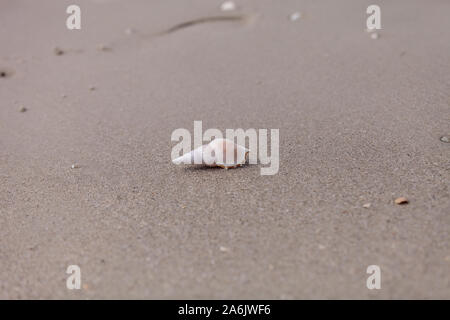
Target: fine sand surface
{"x":360,"y":122}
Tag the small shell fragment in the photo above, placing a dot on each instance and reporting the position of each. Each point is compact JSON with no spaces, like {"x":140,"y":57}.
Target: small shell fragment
{"x":401,"y":200}
{"x":366,"y":205}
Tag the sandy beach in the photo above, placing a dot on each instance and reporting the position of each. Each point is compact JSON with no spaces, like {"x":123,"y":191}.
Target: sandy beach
{"x":86,"y":177}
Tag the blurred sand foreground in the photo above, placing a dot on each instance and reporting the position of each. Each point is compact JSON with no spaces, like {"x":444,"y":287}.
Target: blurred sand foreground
{"x":360,"y":122}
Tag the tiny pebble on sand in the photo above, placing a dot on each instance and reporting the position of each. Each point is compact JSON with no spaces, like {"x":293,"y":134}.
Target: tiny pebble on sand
{"x":103,"y":47}
{"x":58,"y":51}
{"x":401,"y":200}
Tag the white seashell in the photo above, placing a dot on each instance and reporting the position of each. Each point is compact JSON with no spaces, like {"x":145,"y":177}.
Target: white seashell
{"x":214,"y":154}
{"x":295,"y":16}
{"x":228,"y":6}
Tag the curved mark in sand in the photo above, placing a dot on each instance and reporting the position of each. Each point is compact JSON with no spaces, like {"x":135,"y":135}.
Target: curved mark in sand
{"x":245,"y":19}
{"x":194,"y":22}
